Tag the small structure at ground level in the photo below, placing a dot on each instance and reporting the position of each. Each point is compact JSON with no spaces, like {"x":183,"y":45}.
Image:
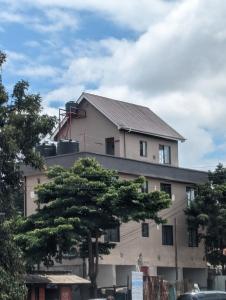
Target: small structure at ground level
{"x":54,"y":287}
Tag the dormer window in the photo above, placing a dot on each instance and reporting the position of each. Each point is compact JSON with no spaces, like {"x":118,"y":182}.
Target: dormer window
{"x":143,"y":148}
{"x":164,"y":154}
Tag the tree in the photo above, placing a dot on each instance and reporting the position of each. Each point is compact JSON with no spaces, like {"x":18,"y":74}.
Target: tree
{"x":77,"y":207}
{"x":207,"y":214}
{"x":21,"y":128}
{"x":12,"y":285}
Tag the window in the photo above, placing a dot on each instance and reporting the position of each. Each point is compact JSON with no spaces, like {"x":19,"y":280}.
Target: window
{"x":110,"y":146}
{"x":144,"y":188}
{"x":166,"y":187}
{"x":145,"y":229}
{"x":164,"y":154}
{"x":112,"y":235}
{"x":192,"y":237}
{"x":190,"y":193}
{"x":167,"y":235}
{"x":143,"y":148}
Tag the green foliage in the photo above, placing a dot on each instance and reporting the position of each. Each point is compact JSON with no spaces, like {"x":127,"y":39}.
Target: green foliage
{"x":12,"y":286}
{"x":208,"y":213}
{"x":21,"y":128}
{"x":77,"y":206}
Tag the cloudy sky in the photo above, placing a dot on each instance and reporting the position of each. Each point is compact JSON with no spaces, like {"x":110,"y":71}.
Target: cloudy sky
{"x":169,"y":55}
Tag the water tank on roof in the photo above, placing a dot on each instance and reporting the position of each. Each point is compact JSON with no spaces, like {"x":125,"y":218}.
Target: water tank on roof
{"x":46,"y":149}
{"x":67,"y":146}
{"x":71,"y":106}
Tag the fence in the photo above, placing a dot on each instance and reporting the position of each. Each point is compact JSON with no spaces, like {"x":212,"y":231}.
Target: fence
{"x":155,"y":288}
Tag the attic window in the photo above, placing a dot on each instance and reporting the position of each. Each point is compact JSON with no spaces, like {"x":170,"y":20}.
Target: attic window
{"x":143,"y":148}
{"x":164,"y":154}
{"x":110,"y":146}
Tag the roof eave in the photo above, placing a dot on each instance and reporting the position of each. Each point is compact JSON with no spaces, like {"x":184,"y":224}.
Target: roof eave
{"x":182,"y":139}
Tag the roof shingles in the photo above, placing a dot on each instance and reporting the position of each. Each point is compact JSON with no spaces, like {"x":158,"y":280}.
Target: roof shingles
{"x":132,"y":117}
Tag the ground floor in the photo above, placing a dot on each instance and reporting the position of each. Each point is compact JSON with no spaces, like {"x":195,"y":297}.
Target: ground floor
{"x":120,"y":275}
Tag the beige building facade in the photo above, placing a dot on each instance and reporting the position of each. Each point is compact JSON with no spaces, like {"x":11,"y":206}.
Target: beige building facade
{"x":134,"y":141}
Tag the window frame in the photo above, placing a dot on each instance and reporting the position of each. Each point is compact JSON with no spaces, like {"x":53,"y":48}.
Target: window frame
{"x":143,"y":148}
{"x":145,"y":232}
{"x":107,"y":146}
{"x":167,"y":241}
{"x":193,"y":240}
{"x":162,"y":150}
{"x":190,"y":199}
{"x":145,"y":187}
{"x":166,"y":184}
{"x":110,"y":233}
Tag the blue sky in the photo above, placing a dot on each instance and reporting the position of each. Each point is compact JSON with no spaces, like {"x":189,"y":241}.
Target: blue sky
{"x":168,"y":55}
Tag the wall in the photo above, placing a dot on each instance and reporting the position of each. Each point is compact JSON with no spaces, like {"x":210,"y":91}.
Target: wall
{"x":154,"y":253}
{"x":123,"y":273}
{"x":106,"y":276}
{"x":92,"y":131}
{"x":220,"y":283}
{"x":169,"y":274}
{"x":196,"y":276}
{"x":132,"y":148}
{"x":31,"y":183}
{"x":132,"y":243}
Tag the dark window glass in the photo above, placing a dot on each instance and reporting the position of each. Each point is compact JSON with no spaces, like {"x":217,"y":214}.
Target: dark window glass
{"x":164,"y":154}
{"x":144,"y":188}
{"x":112,"y":235}
{"x":145,"y":229}
{"x":143,"y":148}
{"x":110,"y":146}
{"x":192,"y":237}
{"x":166,"y":187}
{"x":167,"y":235}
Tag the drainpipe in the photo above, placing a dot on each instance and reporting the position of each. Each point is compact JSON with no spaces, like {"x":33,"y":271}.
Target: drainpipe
{"x":176,"y":255}
{"x":124,"y":143}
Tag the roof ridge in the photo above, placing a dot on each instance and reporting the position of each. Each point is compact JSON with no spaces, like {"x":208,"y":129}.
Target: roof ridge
{"x":111,"y":99}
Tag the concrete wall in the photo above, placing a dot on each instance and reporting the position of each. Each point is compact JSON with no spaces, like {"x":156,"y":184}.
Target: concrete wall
{"x":220,"y":283}
{"x":196,"y":275}
{"x":92,"y":131}
{"x":106,"y":276}
{"x":132,"y":243}
{"x":130,"y":147}
{"x":169,"y":274}
{"x":123,"y":273}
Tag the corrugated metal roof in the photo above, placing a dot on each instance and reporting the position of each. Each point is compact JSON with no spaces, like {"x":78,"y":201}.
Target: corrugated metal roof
{"x":132,"y":117}
{"x":55,"y":279}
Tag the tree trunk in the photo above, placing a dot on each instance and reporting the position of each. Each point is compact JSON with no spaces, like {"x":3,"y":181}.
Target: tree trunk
{"x":93,"y":264}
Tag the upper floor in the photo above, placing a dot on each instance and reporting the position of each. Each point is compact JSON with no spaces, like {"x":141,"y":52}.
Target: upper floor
{"x":121,"y":129}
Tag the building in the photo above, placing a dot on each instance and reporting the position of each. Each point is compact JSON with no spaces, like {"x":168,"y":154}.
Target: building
{"x":133,"y":140}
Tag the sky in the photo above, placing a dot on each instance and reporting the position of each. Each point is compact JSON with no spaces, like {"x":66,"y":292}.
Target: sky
{"x":169,"y":55}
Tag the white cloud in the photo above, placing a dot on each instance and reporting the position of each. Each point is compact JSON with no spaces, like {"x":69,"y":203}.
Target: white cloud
{"x":176,"y":66}
{"x":137,"y":14}
{"x":37,"y":71}
{"x":45,"y":20}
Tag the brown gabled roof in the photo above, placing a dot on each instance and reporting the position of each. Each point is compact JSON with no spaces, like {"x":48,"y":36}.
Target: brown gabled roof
{"x":132,"y":117}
